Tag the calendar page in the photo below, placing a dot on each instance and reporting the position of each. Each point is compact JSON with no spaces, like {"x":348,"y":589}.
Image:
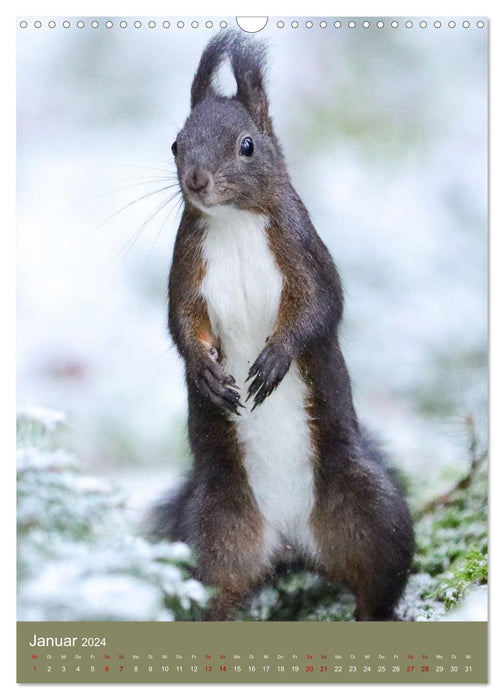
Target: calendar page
{"x":252,"y":349}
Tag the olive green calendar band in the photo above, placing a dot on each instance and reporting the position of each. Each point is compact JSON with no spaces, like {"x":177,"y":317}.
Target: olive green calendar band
{"x":252,"y":652}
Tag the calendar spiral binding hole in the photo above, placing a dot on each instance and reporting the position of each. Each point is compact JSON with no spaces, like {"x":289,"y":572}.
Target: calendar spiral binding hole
{"x":286,"y":23}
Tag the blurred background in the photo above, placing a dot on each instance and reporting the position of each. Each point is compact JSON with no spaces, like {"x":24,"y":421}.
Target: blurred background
{"x":385,"y":134}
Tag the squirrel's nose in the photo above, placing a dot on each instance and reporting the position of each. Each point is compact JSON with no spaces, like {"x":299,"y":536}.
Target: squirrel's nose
{"x":198,"y":180}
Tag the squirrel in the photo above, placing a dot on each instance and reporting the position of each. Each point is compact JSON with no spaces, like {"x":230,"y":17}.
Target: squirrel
{"x":282,"y":470}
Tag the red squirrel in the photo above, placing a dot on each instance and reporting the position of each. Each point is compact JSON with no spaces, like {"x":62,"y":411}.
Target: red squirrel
{"x":282,"y":469}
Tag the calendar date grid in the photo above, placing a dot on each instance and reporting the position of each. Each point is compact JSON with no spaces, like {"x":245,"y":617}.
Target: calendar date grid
{"x":252,"y":663}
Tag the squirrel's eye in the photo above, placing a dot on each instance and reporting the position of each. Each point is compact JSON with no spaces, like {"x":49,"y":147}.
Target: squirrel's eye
{"x":174,"y":148}
{"x":247,"y":147}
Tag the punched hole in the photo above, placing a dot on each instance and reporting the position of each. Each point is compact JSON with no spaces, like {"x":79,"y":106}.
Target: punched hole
{"x":252,"y":24}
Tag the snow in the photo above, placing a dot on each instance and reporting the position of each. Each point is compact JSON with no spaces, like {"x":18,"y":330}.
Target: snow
{"x":81,"y":555}
{"x":48,"y":418}
{"x":34,"y":458}
{"x":474,"y":607}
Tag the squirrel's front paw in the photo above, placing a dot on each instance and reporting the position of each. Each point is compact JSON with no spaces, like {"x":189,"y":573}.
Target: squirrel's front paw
{"x":219,"y":387}
{"x":269,"y":369}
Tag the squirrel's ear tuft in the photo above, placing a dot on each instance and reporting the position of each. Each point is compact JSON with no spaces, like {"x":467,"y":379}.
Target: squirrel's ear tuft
{"x":215,"y":52}
{"x":252,"y":95}
{"x":247,"y":60}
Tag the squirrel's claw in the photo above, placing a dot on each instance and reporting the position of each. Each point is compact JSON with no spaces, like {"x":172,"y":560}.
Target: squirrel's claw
{"x":268,"y":371}
{"x":221,"y":389}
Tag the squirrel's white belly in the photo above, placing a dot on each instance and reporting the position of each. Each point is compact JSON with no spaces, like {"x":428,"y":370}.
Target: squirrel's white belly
{"x":242,"y":287}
